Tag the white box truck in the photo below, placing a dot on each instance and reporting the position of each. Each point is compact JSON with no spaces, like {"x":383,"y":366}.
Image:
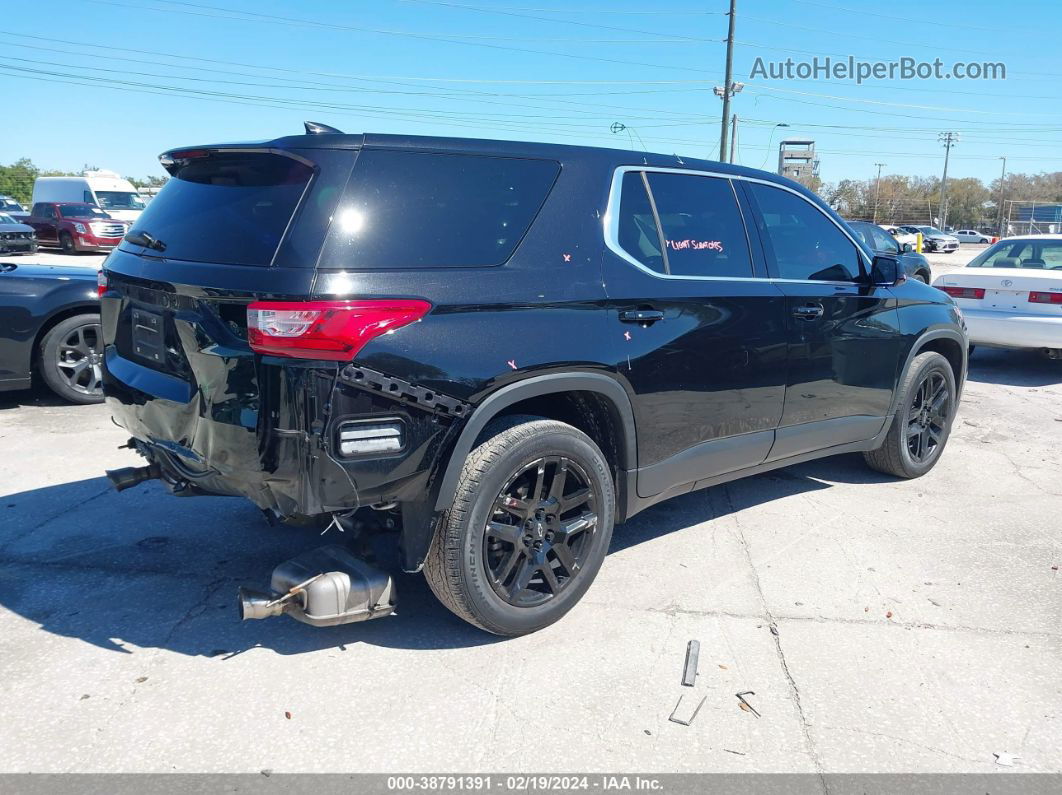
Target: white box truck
{"x":107,"y":190}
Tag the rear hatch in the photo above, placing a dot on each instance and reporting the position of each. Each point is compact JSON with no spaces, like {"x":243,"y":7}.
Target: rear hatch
{"x":231,"y":226}
{"x":1023,"y":291}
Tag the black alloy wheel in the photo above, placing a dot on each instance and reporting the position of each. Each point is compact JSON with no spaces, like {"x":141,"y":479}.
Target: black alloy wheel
{"x":528,"y":528}
{"x":927,"y":417}
{"x":922,"y":418}
{"x":539,"y":531}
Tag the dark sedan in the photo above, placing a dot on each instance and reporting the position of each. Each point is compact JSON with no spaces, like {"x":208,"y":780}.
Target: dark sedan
{"x":881,"y":242}
{"x":15,"y":237}
{"x":50,"y":326}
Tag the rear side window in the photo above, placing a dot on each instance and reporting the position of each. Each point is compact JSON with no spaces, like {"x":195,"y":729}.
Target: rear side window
{"x":807,"y":245}
{"x":638,"y":234}
{"x":430,"y":210}
{"x":226,"y":208}
{"x":703,"y":231}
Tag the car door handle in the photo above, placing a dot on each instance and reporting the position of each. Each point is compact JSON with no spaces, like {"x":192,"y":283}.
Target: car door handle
{"x":808,"y":312}
{"x":641,"y":315}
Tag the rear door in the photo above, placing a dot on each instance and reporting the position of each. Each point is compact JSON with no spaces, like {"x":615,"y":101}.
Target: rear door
{"x":843,"y":336}
{"x":700,"y":332}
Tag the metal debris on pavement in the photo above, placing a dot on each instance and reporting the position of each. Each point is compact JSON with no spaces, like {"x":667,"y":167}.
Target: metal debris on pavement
{"x":689,"y":670}
{"x":1005,"y":759}
{"x":746,"y":705}
{"x":689,"y":720}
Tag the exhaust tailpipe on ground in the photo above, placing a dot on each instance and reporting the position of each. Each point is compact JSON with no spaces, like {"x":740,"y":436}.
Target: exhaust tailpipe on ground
{"x":128,"y":477}
{"x":322,"y":587}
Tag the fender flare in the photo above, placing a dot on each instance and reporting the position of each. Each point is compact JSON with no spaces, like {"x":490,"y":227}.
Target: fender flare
{"x":917,"y":348}
{"x":537,"y":386}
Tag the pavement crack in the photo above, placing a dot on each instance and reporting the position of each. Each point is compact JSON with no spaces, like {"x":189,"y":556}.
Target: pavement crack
{"x":794,"y":689}
{"x":51,"y":518}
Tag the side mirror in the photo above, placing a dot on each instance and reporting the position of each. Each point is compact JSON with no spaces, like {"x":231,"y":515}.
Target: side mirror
{"x":906,"y":248}
{"x":887,"y":272}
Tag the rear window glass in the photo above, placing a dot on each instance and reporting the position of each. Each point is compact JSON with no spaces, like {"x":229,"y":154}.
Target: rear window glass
{"x":429,"y":210}
{"x":1042,"y":254}
{"x":230,"y":209}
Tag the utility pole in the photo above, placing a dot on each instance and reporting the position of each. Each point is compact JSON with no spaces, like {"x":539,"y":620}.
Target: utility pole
{"x":1002,"y":179}
{"x":877,"y":189}
{"x":733,"y":137}
{"x":949,"y":139}
{"x":728,"y":82}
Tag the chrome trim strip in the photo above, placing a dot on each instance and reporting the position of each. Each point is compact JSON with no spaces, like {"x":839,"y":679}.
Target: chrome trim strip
{"x":610,"y":223}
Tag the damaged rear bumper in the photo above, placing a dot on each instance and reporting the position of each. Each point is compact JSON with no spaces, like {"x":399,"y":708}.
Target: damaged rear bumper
{"x":296,"y":439}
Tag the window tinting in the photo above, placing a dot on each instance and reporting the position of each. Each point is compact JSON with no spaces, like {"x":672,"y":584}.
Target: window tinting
{"x":807,"y":245}
{"x":227,"y":208}
{"x":703,"y":231}
{"x":428,"y":210}
{"x":638,"y":235}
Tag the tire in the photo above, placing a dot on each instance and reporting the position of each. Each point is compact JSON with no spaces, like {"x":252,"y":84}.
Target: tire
{"x":920,"y":277}
{"x":70,"y":357}
{"x":66,"y":243}
{"x":896,"y":456}
{"x":471,"y":568}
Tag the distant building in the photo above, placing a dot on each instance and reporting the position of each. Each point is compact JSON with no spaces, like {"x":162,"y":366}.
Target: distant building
{"x":1040,"y":213}
{"x":797,"y":160}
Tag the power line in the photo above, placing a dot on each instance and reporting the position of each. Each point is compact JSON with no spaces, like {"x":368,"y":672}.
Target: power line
{"x":510,"y":13}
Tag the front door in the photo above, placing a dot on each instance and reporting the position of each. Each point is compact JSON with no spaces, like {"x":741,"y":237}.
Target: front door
{"x":44,"y":220}
{"x":699,"y":331}
{"x":844,"y":340}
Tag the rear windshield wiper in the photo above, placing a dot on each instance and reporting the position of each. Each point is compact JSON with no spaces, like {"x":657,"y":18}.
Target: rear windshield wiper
{"x":145,"y":240}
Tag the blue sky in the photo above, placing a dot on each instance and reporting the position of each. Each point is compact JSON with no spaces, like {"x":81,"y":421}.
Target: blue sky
{"x":114,"y":82}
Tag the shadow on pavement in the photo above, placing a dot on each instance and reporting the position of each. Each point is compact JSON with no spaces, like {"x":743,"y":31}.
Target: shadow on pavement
{"x":144,"y":569}
{"x":1014,"y":368}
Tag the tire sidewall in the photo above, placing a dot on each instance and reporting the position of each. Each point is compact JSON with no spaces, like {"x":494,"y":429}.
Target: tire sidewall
{"x":487,"y":605}
{"x":46,"y":361}
{"x":66,"y":243}
{"x":932,"y":362}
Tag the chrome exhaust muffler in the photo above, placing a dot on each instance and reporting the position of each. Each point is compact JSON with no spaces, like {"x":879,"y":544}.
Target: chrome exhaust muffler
{"x":323,"y":587}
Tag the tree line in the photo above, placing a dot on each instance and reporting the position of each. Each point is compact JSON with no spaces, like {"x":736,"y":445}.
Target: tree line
{"x":16,"y":180}
{"x":971,"y":203}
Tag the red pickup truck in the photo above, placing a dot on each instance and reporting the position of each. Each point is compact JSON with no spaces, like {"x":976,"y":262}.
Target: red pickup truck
{"x":75,"y":226}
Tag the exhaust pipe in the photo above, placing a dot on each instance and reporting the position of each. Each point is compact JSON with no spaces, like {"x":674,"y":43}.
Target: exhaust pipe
{"x":128,"y":477}
{"x":256,"y":604}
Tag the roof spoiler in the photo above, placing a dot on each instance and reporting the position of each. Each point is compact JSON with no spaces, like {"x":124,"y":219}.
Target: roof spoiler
{"x":316,"y":128}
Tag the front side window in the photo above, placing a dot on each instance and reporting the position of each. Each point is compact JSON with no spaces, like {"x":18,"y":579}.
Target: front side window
{"x":703,"y":232}
{"x":807,"y":245}
{"x":880,"y":240}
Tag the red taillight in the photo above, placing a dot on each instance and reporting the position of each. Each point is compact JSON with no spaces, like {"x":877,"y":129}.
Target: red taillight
{"x":332,"y":330}
{"x":101,"y":283}
{"x":1045,"y":298}
{"x":964,"y":292}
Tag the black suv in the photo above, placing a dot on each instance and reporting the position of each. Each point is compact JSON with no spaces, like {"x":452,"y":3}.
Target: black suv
{"x":498,"y":350}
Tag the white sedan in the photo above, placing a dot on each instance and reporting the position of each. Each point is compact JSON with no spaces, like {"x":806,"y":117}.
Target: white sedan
{"x":1011,"y":294}
{"x":972,"y":236}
